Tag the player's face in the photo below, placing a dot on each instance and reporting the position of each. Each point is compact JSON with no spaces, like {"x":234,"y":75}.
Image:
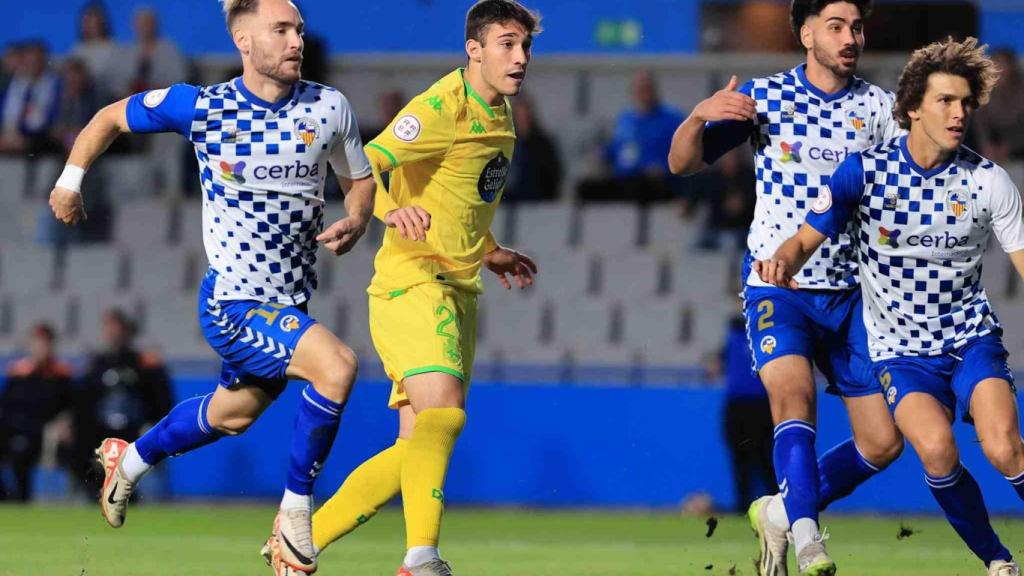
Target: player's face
{"x":945,"y":111}
{"x":276,"y":41}
{"x":504,"y":57}
{"x":836,"y":38}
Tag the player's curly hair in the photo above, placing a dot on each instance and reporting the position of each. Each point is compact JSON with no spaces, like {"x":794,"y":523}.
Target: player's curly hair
{"x":801,"y":10}
{"x":487,"y":12}
{"x":235,"y":8}
{"x":965,"y":59}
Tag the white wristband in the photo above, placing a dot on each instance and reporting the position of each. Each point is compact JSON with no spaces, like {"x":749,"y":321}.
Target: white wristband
{"x":71,"y":178}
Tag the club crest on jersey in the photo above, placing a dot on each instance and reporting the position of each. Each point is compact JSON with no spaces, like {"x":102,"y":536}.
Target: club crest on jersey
{"x":232,"y":172}
{"x":768,"y":344}
{"x":892,"y":200}
{"x":856,"y":121}
{"x":307,"y":130}
{"x":791,"y":152}
{"x":890,"y":238}
{"x":789,"y":111}
{"x":956,"y":201}
{"x":289,"y":323}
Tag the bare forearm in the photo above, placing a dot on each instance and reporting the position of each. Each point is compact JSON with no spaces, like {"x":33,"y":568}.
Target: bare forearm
{"x":359,"y":198}
{"x":799,"y":248}
{"x":96,"y":137}
{"x":1017,"y":258}
{"x":686,"y":155}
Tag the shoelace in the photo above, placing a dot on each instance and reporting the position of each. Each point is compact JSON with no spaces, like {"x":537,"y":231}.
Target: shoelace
{"x":441,"y":567}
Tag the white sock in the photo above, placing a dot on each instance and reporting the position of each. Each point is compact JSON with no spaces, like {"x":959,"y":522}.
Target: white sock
{"x":805,"y":531}
{"x":291,"y":500}
{"x":420,"y":555}
{"x":133,"y":466}
{"x":776,"y":510}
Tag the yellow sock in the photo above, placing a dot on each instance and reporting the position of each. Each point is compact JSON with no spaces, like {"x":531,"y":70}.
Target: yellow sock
{"x":423,"y":472}
{"x":366,"y":489}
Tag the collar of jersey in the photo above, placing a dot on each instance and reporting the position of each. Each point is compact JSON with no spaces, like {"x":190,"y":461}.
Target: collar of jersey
{"x":801,"y":74}
{"x":472,"y":94}
{"x":921,"y":171}
{"x":272,"y":106}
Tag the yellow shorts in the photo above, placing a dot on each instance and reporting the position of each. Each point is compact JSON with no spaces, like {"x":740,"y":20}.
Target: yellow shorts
{"x":426,"y":328}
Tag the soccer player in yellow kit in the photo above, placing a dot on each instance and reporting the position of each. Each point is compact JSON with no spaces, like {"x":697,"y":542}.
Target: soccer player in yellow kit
{"x":448,"y":153}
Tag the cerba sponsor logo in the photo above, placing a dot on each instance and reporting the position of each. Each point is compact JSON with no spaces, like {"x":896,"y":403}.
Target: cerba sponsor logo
{"x":293,"y":171}
{"x":795,"y":152}
{"x":946,"y":240}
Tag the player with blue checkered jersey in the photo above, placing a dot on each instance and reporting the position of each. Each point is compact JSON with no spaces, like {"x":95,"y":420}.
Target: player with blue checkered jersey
{"x":263,"y":142}
{"x":802,"y":123}
{"x":925,"y":208}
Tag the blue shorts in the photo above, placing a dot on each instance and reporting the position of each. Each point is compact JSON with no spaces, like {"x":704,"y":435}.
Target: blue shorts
{"x":824,"y":326}
{"x":255,"y":339}
{"x":949,"y":378}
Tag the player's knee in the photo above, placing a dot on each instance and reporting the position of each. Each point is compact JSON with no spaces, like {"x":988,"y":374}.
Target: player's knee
{"x":882,"y":448}
{"x":1006,"y":454}
{"x":233,"y":425}
{"x":939,"y":456}
{"x":338,"y":374}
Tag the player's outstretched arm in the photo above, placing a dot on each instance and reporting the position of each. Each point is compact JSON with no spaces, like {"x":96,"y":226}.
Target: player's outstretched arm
{"x":342,"y":235}
{"x":790,"y":258}
{"x":686,"y":156}
{"x":1017,"y":258}
{"x":505,"y":262}
{"x":95,"y":138}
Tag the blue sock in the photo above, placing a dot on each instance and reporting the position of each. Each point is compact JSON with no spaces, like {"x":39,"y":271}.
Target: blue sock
{"x":1018,"y":484}
{"x":315,"y":429}
{"x":796,"y":467}
{"x":840,"y":470}
{"x":184,"y":428}
{"x":960,"y":497}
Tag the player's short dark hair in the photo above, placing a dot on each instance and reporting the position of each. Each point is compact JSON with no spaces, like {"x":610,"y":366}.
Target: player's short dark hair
{"x":965,"y":59}
{"x":487,"y":12}
{"x":44,"y":331}
{"x":801,"y":10}
{"x":235,"y":8}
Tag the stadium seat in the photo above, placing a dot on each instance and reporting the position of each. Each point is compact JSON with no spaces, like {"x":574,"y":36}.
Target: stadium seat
{"x":705,"y":277}
{"x":42,"y":175}
{"x":13,"y":177}
{"x":143,"y":223}
{"x":564,"y":274}
{"x":353,"y":325}
{"x":189,"y":224}
{"x":656,"y":332}
{"x":129,"y":178}
{"x":161,"y":271}
{"x":584,"y":323}
{"x":542,"y":227}
{"x":171,"y":324}
{"x":20,"y":216}
{"x":94,"y":270}
{"x":513,"y":323}
{"x":350,"y":273}
{"x":636,"y":277}
{"x":27,"y":269}
{"x":26,"y":311}
{"x":85,"y":334}
{"x":666,"y":231}
{"x":610,"y":228}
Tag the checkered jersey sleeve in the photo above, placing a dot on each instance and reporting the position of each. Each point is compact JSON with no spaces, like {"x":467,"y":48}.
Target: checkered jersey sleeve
{"x":835,"y":207}
{"x":425,"y":128}
{"x":888,"y":127}
{"x":723,"y":135}
{"x":1006,"y":212}
{"x":347,"y":157}
{"x":167,"y":110}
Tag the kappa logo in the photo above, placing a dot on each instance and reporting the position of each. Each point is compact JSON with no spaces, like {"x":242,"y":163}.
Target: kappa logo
{"x":289,"y":323}
{"x":768,"y":344}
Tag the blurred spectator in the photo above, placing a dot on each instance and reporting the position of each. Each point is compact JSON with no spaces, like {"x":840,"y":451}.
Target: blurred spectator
{"x":999,"y":127}
{"x":536,"y":173}
{"x":30,"y":104}
{"x":638,"y":150}
{"x":122,"y":393}
{"x":9,"y":63}
{"x":389,"y":104}
{"x":153,"y":62}
{"x":102,"y":56}
{"x":727,"y":188}
{"x":78,"y":103}
{"x":747,"y":419}
{"x":37,"y":388}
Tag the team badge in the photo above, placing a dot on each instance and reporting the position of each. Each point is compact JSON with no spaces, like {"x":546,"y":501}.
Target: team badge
{"x":768,"y":344}
{"x":407,"y":128}
{"x":890,"y":395}
{"x":823,"y":202}
{"x":153,"y":98}
{"x":856,"y":121}
{"x":307,"y":130}
{"x":789,"y":111}
{"x":956,"y":201}
{"x":289,"y":323}
{"x":892,"y":200}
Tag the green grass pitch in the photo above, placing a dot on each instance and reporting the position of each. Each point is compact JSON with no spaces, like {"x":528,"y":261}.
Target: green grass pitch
{"x":224,"y":541}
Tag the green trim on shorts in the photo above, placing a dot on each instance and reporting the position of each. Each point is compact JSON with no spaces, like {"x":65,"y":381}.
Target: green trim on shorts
{"x":426,"y":369}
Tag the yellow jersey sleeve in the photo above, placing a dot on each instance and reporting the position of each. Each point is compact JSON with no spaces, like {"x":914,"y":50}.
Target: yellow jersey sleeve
{"x":424,"y":129}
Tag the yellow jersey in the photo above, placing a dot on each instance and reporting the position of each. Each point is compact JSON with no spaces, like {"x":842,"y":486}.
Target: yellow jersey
{"x":448,"y":152}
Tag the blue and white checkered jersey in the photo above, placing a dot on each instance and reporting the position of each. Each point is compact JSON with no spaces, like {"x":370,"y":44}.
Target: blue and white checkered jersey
{"x":922,"y":234}
{"x":799,"y":137}
{"x":262,"y":167}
